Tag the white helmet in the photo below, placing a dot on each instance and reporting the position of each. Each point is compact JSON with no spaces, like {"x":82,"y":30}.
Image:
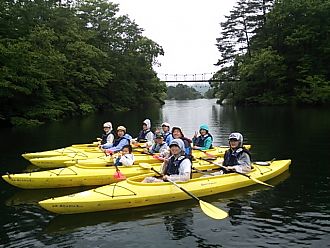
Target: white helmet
{"x":179,"y":143}
{"x":236,"y":136}
{"x":107,"y":124}
{"x":166,"y":124}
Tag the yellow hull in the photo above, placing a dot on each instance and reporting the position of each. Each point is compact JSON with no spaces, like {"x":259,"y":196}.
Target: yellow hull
{"x":78,"y":175}
{"x":86,"y":159}
{"x":132,"y":193}
{"x":62,"y":151}
{"x":97,"y":158}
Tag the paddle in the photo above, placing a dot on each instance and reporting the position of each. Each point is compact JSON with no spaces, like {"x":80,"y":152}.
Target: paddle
{"x":240,"y":173}
{"x":207,"y":208}
{"x":117,"y":175}
{"x":208,"y":154}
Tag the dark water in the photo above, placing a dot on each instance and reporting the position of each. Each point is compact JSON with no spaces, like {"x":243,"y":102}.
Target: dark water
{"x":296,"y":213}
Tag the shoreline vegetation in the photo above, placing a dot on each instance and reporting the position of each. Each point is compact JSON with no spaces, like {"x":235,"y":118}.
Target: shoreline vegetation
{"x":275,"y":53}
{"x":70,"y":58}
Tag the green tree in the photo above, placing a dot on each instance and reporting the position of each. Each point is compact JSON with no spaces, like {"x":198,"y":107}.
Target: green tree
{"x":182,"y":92}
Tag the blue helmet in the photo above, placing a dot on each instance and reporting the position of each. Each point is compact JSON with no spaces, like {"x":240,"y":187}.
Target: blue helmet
{"x":204,"y":126}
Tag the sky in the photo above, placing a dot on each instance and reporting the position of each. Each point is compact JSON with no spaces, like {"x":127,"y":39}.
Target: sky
{"x":186,"y":29}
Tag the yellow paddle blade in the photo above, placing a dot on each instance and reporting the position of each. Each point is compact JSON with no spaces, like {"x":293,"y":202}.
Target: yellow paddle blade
{"x":261,"y":182}
{"x":212,"y":211}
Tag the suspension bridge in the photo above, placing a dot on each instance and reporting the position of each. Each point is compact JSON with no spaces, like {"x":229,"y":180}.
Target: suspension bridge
{"x":187,"y":78}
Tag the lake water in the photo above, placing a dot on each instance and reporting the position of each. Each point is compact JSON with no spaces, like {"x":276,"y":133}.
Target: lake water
{"x":296,"y":213}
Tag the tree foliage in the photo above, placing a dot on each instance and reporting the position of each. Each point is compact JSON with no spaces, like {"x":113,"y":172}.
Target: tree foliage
{"x":285,"y":59}
{"x":60,"y":58}
{"x":182,"y":92}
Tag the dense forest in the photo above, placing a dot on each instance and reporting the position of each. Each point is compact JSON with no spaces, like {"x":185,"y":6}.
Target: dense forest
{"x":63,"y":58}
{"x":275,"y":52}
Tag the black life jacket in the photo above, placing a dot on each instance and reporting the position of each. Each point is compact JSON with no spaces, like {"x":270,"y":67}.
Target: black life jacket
{"x":142,"y":136}
{"x":200,"y":141}
{"x":173,"y":165}
{"x":231,"y":157}
{"x":104,"y":137}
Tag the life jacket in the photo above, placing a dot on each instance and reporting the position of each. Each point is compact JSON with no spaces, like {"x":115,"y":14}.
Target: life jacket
{"x":173,"y":165}
{"x":104,"y":137}
{"x":165,"y":135}
{"x":116,"y":141}
{"x":157,"y":147}
{"x":200,"y":141}
{"x":231,"y":157}
{"x":142,"y":136}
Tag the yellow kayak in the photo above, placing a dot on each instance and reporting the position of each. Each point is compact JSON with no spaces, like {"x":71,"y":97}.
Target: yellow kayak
{"x":133,"y":193}
{"x":79,"y":175}
{"x":86,"y":159}
{"x":63,"y":151}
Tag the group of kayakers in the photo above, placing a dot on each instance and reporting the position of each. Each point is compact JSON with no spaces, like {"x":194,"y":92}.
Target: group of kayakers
{"x":173,"y":148}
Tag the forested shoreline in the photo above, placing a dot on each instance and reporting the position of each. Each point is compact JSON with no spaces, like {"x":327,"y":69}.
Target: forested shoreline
{"x":64,"y":58}
{"x":275,"y":52}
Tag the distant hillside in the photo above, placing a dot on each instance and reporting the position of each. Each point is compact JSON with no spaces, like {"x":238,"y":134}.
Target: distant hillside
{"x":201,"y":87}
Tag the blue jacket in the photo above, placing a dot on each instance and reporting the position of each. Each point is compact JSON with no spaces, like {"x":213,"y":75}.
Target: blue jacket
{"x":119,"y":143}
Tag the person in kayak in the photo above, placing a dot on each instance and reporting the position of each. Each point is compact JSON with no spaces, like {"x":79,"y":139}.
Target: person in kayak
{"x":108,"y":136}
{"x":204,"y":140}
{"x":177,"y":168}
{"x":236,"y":158}
{"x":122,"y":139}
{"x":145,"y":135}
{"x":178,"y":134}
{"x":160,"y":147}
{"x":166,"y":132}
{"x":125,"y":157}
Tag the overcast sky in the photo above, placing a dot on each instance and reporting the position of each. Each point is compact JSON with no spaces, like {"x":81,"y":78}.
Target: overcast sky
{"x":186,"y":29}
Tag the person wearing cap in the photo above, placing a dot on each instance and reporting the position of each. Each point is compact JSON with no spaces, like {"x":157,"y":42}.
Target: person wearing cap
{"x":178,"y":134}
{"x":108,"y":136}
{"x":167,"y":133}
{"x":160,"y":146}
{"x":122,"y":139}
{"x":146,"y":135}
{"x":177,"y":168}
{"x":204,"y":140}
{"x":237,"y":158}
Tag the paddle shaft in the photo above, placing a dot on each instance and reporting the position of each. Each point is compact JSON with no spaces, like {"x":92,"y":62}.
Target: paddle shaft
{"x":174,"y":183}
{"x":240,"y":173}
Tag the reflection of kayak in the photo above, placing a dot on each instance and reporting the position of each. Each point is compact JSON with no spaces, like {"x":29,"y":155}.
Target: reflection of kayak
{"x":78,"y":175}
{"x":133,"y":193}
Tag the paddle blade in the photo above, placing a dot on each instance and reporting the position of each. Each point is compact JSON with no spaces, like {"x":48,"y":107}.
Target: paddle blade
{"x":212,"y":211}
{"x":119,"y":176}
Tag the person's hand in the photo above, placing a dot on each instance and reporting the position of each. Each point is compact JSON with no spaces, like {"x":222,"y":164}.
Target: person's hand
{"x":165,"y":178}
{"x":98,"y":139}
{"x":230,"y":168}
{"x":195,"y":135}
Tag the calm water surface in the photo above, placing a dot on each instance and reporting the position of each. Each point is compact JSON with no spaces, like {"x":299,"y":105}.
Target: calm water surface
{"x":296,"y":213}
